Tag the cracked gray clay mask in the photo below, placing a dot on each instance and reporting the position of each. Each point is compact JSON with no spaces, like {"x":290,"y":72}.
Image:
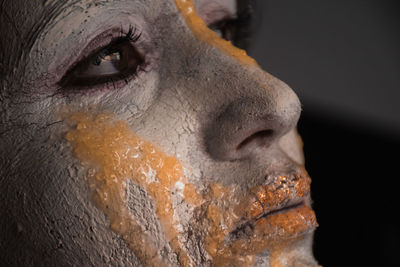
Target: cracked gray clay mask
{"x":194,"y":161}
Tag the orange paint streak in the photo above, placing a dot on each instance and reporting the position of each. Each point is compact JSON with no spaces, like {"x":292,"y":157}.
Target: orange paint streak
{"x":114,"y":154}
{"x":203,"y":33}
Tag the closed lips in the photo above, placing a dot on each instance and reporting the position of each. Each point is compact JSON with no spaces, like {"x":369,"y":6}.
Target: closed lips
{"x":278,"y":208}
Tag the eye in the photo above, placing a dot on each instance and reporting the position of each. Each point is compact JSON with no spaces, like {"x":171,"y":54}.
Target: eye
{"x":224,"y":29}
{"x":117,"y":61}
{"x":236,"y":30}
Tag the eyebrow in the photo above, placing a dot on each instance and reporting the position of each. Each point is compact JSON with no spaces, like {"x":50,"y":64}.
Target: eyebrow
{"x":50,"y":12}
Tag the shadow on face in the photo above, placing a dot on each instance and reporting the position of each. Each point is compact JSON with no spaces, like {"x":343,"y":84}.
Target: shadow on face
{"x":133,"y":134}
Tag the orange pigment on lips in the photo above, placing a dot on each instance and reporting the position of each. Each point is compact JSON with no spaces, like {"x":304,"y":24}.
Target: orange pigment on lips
{"x":272,"y":196}
{"x":272,"y":232}
{"x":115,"y":154}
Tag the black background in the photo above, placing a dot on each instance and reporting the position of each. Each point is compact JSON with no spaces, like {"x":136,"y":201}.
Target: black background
{"x":343,"y":60}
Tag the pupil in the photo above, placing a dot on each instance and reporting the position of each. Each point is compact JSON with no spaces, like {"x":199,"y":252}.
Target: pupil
{"x":115,"y":56}
{"x":106,"y":55}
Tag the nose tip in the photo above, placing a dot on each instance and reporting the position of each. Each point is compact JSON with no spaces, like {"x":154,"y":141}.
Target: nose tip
{"x":250,"y":123}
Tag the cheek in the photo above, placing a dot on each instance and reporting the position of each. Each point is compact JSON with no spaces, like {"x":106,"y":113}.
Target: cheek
{"x":115,"y":157}
{"x":292,"y":145}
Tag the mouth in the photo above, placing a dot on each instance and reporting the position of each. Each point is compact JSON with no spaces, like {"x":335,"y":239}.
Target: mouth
{"x":247,"y":229}
{"x":280,"y":209}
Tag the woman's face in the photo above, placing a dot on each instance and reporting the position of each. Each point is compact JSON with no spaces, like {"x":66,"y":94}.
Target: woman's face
{"x":132,"y":133}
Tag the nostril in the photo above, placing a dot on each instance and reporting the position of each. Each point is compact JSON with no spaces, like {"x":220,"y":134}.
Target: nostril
{"x":258,"y":138}
{"x":247,"y":126}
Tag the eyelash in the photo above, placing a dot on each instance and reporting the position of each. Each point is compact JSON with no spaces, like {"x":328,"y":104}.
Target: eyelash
{"x":132,"y":36}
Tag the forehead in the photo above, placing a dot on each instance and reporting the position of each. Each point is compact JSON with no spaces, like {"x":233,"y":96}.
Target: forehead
{"x":22,"y":21}
{"x":39,"y":10}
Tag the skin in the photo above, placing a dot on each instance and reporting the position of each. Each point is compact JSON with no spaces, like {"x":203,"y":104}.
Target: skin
{"x":192,"y":162}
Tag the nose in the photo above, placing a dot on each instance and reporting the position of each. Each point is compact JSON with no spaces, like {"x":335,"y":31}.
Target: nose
{"x":251,"y":123}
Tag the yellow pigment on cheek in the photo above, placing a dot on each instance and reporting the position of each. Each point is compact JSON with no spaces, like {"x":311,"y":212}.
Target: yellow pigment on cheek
{"x":203,"y":33}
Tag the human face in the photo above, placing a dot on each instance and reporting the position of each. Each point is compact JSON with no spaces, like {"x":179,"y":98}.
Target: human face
{"x":133,"y":134}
